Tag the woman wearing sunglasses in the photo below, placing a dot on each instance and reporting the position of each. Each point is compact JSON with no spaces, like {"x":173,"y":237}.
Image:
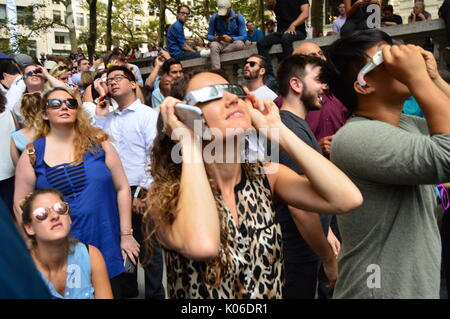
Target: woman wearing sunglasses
{"x":75,"y":158}
{"x":70,"y":269}
{"x":214,"y":215}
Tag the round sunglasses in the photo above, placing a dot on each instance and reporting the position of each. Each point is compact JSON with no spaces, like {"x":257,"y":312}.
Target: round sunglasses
{"x":57,"y":103}
{"x":42,"y":213}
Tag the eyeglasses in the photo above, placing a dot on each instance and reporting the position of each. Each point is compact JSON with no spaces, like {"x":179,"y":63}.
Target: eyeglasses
{"x":57,"y":103}
{"x":376,"y":60}
{"x":117,"y":78}
{"x":31,"y":73}
{"x":213,"y":92}
{"x":252,"y":63}
{"x":443,"y":195}
{"x":42,"y":213}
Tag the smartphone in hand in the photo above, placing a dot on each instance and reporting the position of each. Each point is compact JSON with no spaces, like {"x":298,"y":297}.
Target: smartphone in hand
{"x":130,"y":268}
{"x":192,"y":116}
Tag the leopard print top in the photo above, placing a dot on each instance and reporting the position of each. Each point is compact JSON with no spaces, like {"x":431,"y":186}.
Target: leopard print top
{"x":255,"y":266}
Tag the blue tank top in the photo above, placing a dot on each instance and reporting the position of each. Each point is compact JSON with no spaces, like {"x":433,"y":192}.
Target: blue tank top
{"x":78,"y":277}
{"x":88,"y":188}
{"x":20,"y":140}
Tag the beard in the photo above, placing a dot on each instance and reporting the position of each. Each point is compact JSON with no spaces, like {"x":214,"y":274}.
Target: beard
{"x":309,"y":100}
{"x":251,"y":75}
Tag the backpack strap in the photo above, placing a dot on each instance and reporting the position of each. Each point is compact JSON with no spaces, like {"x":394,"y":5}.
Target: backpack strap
{"x":31,"y":153}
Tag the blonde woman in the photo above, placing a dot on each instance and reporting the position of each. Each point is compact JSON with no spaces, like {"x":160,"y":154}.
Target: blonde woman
{"x":31,"y":103}
{"x":69,"y":268}
{"x":77,"y":159}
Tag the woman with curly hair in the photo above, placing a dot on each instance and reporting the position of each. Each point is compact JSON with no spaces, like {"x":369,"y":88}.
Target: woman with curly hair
{"x":29,"y":108}
{"x":77,"y":159}
{"x":214,"y":215}
{"x":69,"y":268}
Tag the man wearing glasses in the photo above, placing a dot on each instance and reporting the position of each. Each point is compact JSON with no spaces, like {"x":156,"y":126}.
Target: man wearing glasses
{"x":254,"y":73}
{"x":132,"y":127}
{"x":178,"y":48}
{"x":391,"y":246}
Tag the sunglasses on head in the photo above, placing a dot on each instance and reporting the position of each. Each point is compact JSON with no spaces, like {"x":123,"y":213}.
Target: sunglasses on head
{"x":57,"y":103}
{"x":42,"y":213}
{"x":252,"y":63}
{"x":62,"y":68}
{"x":32,"y":72}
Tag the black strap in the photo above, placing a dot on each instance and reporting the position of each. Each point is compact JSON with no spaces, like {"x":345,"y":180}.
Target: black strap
{"x":87,"y":247}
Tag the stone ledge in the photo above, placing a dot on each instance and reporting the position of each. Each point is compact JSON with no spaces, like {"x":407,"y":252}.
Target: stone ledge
{"x":414,"y":32}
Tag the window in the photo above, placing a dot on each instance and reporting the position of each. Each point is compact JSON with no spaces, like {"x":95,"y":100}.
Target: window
{"x":24,"y":15}
{"x":80,"y":19}
{"x":138,"y":25}
{"x":57,"y":16}
{"x":61,"y":38}
{"x":56,"y":2}
{"x":2,"y":12}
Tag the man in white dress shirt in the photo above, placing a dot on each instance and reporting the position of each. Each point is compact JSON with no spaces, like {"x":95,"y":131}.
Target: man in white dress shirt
{"x":132,"y":127}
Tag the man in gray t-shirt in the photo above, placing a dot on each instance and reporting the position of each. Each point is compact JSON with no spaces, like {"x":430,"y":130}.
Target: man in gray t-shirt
{"x":391,"y":246}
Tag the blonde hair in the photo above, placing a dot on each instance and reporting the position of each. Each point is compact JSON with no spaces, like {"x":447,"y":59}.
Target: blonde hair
{"x":31,"y":103}
{"x":87,"y":78}
{"x":87,"y":137}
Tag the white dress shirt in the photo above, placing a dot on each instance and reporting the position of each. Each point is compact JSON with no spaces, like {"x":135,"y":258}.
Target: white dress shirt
{"x":132,"y":130}
{"x":14,"y":97}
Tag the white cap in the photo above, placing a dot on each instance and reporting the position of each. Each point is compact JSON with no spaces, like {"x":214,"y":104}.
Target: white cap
{"x":222,"y":7}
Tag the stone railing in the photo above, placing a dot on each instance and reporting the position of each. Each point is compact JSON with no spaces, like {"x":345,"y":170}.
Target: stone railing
{"x":232,"y":63}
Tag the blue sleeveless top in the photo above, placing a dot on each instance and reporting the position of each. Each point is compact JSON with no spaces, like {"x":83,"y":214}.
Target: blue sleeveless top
{"x":90,"y":192}
{"x":19,"y":139}
{"x":78,"y":278}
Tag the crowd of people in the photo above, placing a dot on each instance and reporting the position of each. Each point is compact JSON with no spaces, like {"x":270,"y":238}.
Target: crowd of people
{"x":100,"y":172}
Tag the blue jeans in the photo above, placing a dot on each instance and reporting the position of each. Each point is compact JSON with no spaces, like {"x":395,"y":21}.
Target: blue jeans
{"x":285,"y":39}
{"x":187,"y":55}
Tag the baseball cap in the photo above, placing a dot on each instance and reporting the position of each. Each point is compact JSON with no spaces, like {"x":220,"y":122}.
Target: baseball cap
{"x":50,"y":64}
{"x":222,"y":7}
{"x":23,"y":60}
{"x":4,"y":56}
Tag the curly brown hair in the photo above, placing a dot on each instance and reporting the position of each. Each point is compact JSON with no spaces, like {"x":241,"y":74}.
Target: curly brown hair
{"x":162,"y":197}
{"x":31,"y":104}
{"x":87,"y":136}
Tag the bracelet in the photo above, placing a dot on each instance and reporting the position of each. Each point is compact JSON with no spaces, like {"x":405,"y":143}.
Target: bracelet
{"x":130,"y":233}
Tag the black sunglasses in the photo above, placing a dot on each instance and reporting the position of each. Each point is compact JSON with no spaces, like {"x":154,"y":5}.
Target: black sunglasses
{"x":32,"y":72}
{"x":252,"y":63}
{"x":57,"y":103}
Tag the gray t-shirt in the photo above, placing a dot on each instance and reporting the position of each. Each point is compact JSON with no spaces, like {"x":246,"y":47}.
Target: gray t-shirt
{"x":391,"y":246}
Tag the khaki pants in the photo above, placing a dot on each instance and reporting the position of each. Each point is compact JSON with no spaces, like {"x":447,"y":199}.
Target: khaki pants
{"x":222,"y":47}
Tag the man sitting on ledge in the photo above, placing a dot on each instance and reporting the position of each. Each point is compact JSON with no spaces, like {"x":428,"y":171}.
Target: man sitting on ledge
{"x":226,"y":32}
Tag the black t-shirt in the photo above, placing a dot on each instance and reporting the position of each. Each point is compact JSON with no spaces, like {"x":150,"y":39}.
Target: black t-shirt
{"x":295,"y":249}
{"x":286,"y":12}
{"x":396,"y":18}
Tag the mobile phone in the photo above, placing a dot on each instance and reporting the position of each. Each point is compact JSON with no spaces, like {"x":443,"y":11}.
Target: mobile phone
{"x":104,"y":98}
{"x":130,"y":268}
{"x":192,"y":116}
